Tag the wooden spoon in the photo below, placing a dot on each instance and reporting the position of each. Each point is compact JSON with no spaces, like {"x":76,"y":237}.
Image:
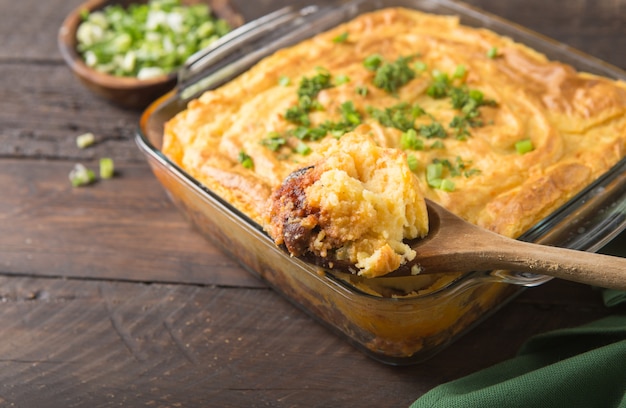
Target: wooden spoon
{"x":455,"y":245}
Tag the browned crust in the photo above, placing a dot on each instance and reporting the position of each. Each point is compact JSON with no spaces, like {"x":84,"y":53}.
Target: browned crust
{"x":292,"y":221}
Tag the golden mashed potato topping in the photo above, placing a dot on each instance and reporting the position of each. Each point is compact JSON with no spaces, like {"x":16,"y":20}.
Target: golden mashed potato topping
{"x":491,"y":129}
{"x":357,"y":205}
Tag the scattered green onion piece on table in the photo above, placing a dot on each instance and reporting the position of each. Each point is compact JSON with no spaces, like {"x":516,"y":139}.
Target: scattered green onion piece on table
{"x":85,"y":140}
{"x":81,"y":175}
{"x":107,"y":168}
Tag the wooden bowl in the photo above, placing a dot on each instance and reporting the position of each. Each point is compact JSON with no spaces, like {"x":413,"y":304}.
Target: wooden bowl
{"x":126,"y":92}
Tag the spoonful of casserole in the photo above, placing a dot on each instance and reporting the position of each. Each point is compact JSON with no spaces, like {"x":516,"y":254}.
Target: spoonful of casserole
{"x":360,"y":210}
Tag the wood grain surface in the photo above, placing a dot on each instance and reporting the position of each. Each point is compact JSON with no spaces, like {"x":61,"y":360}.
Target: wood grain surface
{"x":108,"y":297}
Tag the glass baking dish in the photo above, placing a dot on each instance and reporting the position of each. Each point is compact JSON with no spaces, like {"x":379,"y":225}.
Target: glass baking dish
{"x":394,"y":330}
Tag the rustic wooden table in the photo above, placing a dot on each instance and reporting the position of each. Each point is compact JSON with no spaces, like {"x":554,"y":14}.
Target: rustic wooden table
{"x":109,"y":298}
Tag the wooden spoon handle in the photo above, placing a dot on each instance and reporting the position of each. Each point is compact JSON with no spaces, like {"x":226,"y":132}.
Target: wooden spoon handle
{"x":491,"y":251}
{"x":454,"y":245}
{"x":578,"y":266}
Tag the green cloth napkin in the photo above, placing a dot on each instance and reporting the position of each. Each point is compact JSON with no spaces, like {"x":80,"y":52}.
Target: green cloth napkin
{"x":578,"y":367}
{"x":613,"y":297}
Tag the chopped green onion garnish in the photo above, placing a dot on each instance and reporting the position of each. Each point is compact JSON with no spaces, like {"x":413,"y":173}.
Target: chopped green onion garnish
{"x":245,"y":160}
{"x":298,"y":116}
{"x":412,"y":162}
{"x":434,"y":183}
{"x":274,"y":141}
{"x":434,"y":171}
{"x":81,"y":175}
{"x":409,"y":140}
{"x":341,"y":79}
{"x":284,"y":80}
{"x":145,"y":40}
{"x":492,"y":53}
{"x":435,"y":129}
{"x":437,"y":144}
{"x":471,"y":172}
{"x":400,"y":116}
{"x":439,"y":87}
{"x":85,"y":140}
{"x":420,"y":66}
{"x":434,"y":176}
{"x":343,"y":37}
{"x":107,"y":169}
{"x":524,"y":146}
{"x":477,"y":96}
{"x":440,"y":76}
{"x":390,"y":76}
{"x":303,"y":149}
{"x":301,"y":132}
{"x":447,"y":185}
{"x":373,"y":62}
{"x":459,"y":72}
{"x":310,"y":87}
{"x":362,"y":90}
{"x":350,"y":115}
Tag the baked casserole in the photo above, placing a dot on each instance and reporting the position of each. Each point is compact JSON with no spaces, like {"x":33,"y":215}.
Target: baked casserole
{"x":489,"y":128}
